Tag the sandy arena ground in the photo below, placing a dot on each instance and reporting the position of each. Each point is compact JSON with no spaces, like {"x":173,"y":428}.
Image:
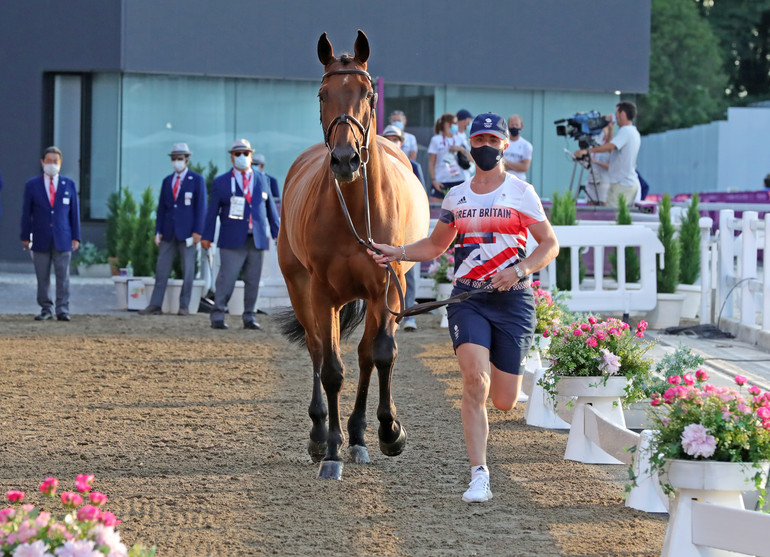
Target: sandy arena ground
{"x":199,"y":438}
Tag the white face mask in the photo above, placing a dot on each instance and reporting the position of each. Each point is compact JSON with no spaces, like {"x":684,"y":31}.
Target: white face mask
{"x":51,"y":169}
{"x":242,"y":162}
{"x":179,"y":166}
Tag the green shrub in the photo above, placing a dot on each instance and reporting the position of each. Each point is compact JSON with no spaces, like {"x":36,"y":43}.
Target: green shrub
{"x":143,"y":247}
{"x":89,"y":254}
{"x":208,"y":174}
{"x":668,"y":276}
{"x":689,"y":241}
{"x":633,"y":267}
{"x":113,"y":210}
{"x":564,"y":212}
{"x":125,"y":227}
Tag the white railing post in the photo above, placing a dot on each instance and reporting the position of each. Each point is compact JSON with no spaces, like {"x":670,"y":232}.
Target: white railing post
{"x":705,"y":224}
{"x":726,"y":260}
{"x":766,"y":276}
{"x":748,"y":267}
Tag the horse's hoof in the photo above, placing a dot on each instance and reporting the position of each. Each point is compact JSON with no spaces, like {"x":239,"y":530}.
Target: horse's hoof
{"x":330,"y":470}
{"x":396,"y":447}
{"x":316,"y":450}
{"x":359,"y":454}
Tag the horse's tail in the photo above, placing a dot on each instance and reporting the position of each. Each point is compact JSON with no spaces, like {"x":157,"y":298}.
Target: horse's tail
{"x":351,"y":316}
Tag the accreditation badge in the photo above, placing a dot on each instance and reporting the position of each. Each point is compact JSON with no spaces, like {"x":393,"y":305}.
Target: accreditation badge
{"x":237,"y":207}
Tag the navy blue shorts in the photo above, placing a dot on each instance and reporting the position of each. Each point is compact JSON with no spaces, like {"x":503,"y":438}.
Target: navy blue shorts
{"x":503,"y":322}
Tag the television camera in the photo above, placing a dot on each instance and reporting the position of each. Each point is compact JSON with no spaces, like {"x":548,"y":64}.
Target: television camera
{"x":583,"y":127}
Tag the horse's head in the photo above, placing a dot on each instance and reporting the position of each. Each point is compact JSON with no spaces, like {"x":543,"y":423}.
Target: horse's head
{"x":347,"y":107}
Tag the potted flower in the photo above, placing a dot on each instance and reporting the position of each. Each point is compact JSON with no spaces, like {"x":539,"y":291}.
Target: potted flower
{"x":711,"y":443}
{"x":603,"y":364}
{"x":83,"y":529}
{"x":442,"y":271}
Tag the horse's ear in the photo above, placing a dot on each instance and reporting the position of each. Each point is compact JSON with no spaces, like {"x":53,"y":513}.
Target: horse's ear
{"x":325,"y":50}
{"x":361,"y":47}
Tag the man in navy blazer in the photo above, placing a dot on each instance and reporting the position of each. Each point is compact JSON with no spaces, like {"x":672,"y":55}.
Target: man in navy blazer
{"x":178,"y":228}
{"x":50,"y":227}
{"x":242,"y":201}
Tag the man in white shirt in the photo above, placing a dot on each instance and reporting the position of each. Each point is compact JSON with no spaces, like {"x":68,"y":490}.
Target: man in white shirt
{"x":623,"y":150}
{"x":518,"y":156}
{"x":398,"y":119}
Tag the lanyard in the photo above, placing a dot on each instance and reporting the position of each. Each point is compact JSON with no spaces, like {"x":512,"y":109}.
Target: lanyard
{"x":232,"y":184}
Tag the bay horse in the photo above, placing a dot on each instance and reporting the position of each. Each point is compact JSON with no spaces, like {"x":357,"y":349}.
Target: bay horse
{"x":354,"y":181}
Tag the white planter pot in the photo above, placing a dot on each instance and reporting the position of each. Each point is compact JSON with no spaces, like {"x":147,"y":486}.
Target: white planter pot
{"x":121,"y":291}
{"x":691,"y":305}
{"x":720,"y":483}
{"x":604,"y":399}
{"x":667,"y":312}
{"x":173,"y":291}
{"x":98,"y":270}
{"x":540,"y":411}
{"x":443,"y":291}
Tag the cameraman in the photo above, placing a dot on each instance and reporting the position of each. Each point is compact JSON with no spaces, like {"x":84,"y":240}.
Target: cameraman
{"x":623,"y":150}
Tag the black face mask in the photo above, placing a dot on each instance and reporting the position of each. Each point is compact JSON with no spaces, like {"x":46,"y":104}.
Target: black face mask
{"x":486,"y":157}
{"x":514,"y":131}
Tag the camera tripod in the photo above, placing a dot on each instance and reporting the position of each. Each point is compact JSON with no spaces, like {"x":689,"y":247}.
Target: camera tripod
{"x":585,"y":164}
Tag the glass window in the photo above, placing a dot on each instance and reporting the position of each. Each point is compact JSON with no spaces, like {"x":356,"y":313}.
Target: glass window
{"x":105,"y":143}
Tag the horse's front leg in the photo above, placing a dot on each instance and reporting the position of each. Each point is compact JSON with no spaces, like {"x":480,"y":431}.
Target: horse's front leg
{"x":357,"y":421}
{"x":391,"y":433}
{"x":332,"y":376}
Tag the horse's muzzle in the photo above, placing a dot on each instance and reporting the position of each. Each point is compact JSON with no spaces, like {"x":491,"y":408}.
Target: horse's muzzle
{"x":345,"y":164}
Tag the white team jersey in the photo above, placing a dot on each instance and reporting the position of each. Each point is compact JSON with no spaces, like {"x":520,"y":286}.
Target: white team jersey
{"x":491,"y":227}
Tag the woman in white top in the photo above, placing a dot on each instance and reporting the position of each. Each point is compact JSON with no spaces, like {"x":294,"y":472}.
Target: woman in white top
{"x":445,"y":172}
{"x":488,"y":219}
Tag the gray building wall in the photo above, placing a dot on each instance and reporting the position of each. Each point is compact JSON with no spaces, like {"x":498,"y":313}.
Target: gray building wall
{"x":526,"y":44}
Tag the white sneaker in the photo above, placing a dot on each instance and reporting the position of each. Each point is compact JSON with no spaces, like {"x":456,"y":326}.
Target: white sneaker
{"x":478,"y":490}
{"x":410,"y":324}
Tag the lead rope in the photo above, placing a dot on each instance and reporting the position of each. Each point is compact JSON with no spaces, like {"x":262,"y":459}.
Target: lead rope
{"x":368,"y":243}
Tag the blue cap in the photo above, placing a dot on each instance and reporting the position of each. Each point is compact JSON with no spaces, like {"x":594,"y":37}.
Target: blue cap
{"x":490,"y":123}
{"x":462,"y":114}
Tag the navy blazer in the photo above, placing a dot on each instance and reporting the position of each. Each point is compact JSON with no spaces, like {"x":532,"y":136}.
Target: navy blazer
{"x":180,"y":218}
{"x":50,"y":226}
{"x":233,"y":233}
{"x":274,"y":187}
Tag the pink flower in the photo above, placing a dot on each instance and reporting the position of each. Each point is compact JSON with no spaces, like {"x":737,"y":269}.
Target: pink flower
{"x":71,"y":499}
{"x":592,"y":320}
{"x":656,"y":399}
{"x":43,"y":519}
{"x":763,"y":413}
{"x":83,"y":487}
{"x":109,"y":519}
{"x":754,"y":390}
{"x":642,"y":326}
{"x":106,"y":535}
{"x":535,"y":283}
{"x":688,"y":379}
{"x":591,"y":341}
{"x":49,"y":485}
{"x":7,"y":514}
{"x":615,"y":331}
{"x":610,"y":362}
{"x":639,"y":334}
{"x":585,"y":326}
{"x":546,"y":334}
{"x":674,"y":380}
{"x":701,"y":375}
{"x":577,"y":332}
{"x":89,"y":512}
{"x":97,"y":498}
{"x":766,"y":424}
{"x":15,"y":496}
{"x":601,"y":335}
{"x":697,"y":442}
{"x":741,"y":380}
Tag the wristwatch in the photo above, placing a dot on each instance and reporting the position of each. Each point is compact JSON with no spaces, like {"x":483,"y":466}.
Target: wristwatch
{"x":519,"y":272}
